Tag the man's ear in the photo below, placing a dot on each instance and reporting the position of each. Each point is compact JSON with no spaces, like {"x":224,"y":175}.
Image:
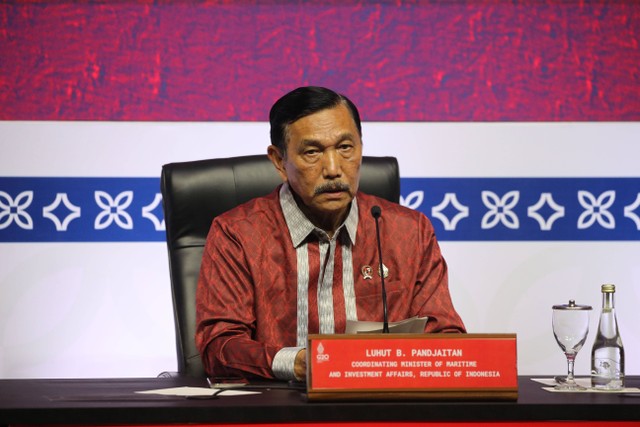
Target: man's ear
{"x":277,"y":159}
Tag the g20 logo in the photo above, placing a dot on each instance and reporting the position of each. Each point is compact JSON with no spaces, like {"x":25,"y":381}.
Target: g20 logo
{"x":321,"y":356}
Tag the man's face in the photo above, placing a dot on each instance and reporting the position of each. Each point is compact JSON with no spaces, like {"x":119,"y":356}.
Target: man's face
{"x":322,"y":164}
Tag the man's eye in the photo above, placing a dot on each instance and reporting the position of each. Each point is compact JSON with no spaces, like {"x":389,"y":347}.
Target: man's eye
{"x":345,"y":147}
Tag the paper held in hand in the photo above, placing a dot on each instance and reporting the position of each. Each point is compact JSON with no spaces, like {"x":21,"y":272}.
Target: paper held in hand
{"x":413,"y":325}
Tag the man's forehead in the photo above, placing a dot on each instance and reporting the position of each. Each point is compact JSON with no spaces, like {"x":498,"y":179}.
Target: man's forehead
{"x":338,"y":137}
{"x":335,"y":123}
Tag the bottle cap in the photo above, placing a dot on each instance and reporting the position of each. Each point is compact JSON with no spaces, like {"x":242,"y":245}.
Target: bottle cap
{"x":571,"y":306}
{"x":608,"y":288}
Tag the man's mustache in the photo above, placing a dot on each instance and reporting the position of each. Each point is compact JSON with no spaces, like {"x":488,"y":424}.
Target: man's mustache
{"x":332,"y":186}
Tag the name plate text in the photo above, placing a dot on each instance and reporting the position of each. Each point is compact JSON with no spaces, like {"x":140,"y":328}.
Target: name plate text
{"x":387,"y":366}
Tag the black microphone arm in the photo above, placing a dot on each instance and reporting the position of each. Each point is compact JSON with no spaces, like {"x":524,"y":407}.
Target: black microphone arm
{"x":376,"y":212}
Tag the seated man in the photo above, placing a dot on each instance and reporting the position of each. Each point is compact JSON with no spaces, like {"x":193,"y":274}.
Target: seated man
{"x":303,"y":260}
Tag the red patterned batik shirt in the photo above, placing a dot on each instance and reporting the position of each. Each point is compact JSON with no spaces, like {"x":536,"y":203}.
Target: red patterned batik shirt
{"x":269,"y":278}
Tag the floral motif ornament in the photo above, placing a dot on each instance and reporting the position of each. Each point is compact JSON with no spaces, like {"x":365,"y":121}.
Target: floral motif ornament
{"x":629,"y":211}
{"x":14,"y":210}
{"x":147,"y":212}
{"x":500,"y":209}
{"x":558,"y":211}
{"x":113,"y":210}
{"x":413,"y":200}
{"x":63,"y":198}
{"x":450,"y":199}
{"x":596,"y":209}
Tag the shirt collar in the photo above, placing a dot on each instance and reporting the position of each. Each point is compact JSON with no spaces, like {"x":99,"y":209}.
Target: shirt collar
{"x":299,"y":225}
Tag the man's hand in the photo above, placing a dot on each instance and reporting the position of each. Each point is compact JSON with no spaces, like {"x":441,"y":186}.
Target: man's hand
{"x":300,"y":366}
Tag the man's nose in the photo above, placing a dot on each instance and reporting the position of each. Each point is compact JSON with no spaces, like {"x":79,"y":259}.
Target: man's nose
{"x":331,"y":166}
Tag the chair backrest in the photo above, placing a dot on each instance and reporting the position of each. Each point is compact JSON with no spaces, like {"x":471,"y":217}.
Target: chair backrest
{"x":194,"y":193}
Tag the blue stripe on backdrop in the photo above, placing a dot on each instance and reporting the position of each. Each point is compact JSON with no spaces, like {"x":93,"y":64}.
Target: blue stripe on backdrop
{"x":521,"y":209}
{"x":461,"y":209}
{"x":81,"y":210}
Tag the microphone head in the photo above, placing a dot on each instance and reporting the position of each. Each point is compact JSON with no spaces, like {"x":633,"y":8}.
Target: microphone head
{"x":376,"y":212}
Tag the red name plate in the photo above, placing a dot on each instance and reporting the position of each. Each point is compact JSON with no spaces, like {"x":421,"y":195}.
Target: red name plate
{"x":465,"y":366}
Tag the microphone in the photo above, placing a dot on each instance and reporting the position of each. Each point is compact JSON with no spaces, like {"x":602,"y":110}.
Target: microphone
{"x":376,"y":213}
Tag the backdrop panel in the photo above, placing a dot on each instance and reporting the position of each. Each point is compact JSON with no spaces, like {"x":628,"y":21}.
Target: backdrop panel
{"x":399,"y":61}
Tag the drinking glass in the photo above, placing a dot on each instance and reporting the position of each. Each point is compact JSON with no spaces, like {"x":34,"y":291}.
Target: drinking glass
{"x":570,"y":328}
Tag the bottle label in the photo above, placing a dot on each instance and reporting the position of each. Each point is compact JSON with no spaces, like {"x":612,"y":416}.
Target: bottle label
{"x":607,"y":374}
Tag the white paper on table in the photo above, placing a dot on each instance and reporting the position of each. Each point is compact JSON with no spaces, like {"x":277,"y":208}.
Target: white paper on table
{"x":196,"y":391}
{"x":584,"y":382}
{"x":413,"y":325}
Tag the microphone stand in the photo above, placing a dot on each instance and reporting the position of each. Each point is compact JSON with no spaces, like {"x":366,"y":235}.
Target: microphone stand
{"x":376,"y":213}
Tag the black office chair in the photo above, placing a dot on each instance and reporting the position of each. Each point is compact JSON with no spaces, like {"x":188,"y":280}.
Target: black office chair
{"x":196,"y":192}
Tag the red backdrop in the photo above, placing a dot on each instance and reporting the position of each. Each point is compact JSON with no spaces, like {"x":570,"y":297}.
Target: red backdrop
{"x":399,"y":61}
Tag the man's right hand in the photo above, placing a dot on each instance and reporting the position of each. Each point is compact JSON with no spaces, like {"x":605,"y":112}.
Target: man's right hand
{"x":300,"y":366}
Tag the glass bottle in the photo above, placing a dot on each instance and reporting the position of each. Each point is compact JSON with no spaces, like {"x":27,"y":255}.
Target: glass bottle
{"x":607,"y":354}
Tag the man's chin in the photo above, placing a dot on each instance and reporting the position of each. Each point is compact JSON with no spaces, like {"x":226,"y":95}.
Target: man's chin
{"x":334,"y":206}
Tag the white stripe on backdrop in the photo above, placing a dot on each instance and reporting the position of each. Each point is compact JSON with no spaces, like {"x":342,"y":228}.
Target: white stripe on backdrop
{"x":104,"y":309}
